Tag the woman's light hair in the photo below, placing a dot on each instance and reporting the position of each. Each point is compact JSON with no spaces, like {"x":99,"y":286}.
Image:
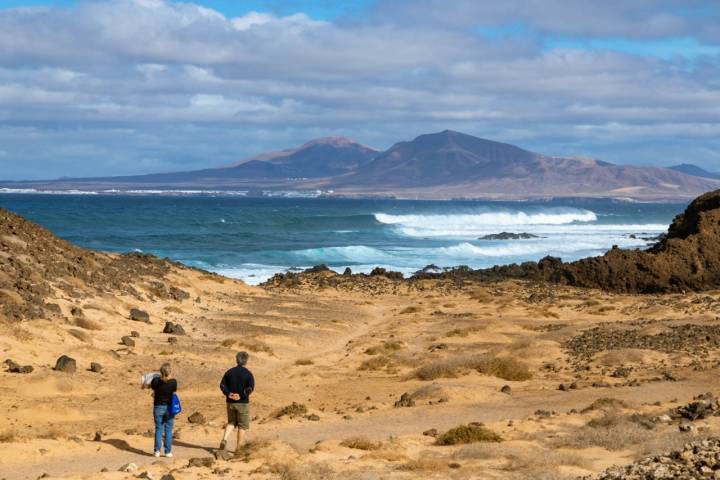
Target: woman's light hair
{"x":165,"y":370}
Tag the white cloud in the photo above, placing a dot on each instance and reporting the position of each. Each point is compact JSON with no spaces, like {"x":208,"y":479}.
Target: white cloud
{"x":197,"y":88}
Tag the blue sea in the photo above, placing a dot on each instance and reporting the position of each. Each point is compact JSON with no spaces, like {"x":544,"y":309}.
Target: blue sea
{"x":254,"y":238}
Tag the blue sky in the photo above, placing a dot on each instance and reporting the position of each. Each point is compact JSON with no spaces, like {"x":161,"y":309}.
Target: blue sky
{"x":118,"y":87}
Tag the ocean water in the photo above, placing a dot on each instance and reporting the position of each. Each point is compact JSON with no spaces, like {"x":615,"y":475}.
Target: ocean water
{"x":254,"y":238}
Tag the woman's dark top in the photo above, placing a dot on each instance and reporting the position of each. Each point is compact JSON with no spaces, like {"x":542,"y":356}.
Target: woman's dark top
{"x":163,"y":390}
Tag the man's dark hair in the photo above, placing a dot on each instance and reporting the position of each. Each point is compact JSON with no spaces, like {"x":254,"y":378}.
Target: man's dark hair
{"x":242,"y":358}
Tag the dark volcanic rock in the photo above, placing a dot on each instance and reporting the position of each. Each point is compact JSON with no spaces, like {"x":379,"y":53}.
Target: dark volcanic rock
{"x":139,"y":315}
{"x":406,"y":400}
{"x":65,"y":364}
{"x":96,"y":367}
{"x":508,"y":236}
{"x":127,"y":341}
{"x":694,"y":461}
{"x":173,"y":328}
{"x":197,"y":418}
{"x":687,"y":258}
{"x":14,"y":367}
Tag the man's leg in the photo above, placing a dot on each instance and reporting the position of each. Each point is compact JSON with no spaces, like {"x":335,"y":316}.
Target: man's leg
{"x":231,"y":422}
{"x":240,"y":437}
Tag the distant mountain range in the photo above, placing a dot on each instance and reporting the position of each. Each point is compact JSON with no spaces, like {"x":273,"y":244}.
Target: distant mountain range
{"x":441,"y":165}
{"x":695,"y":171}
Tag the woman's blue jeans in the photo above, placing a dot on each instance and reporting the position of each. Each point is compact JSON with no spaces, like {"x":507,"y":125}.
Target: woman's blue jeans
{"x":163,"y":425}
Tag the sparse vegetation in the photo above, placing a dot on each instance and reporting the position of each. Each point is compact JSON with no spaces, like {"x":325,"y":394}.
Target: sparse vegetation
{"x":605,"y":403}
{"x":293,"y":410}
{"x":304,"y":361}
{"x":247,"y":450}
{"x":87,"y":324}
{"x":80,"y":335}
{"x":252,"y":345}
{"x":611,"y":431}
{"x":424,"y":464}
{"x":361,"y":443}
{"x":506,"y":368}
{"x":8,"y":436}
{"x":468,"y":434}
{"x":408,"y":310}
{"x":376,"y":363}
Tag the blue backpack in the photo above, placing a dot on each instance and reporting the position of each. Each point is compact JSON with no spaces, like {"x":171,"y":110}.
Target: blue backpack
{"x":175,"y":407}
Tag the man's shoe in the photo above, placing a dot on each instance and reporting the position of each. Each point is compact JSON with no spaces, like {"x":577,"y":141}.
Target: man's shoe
{"x":223,"y":444}
{"x":157,"y":454}
{"x":169,"y":455}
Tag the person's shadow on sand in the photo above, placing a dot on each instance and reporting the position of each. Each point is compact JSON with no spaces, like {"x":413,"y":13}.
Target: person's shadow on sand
{"x":125,"y":446}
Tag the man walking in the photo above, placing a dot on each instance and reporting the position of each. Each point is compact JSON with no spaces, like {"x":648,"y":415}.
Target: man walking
{"x":237,"y":384}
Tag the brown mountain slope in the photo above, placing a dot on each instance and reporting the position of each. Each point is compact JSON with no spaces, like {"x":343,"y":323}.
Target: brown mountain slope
{"x":454,"y":164}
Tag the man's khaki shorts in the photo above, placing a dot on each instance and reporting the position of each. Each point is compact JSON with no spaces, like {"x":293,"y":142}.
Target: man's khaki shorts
{"x":239,"y":415}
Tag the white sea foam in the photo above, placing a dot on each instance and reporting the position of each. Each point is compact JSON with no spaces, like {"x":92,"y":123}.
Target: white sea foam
{"x":466,"y":224}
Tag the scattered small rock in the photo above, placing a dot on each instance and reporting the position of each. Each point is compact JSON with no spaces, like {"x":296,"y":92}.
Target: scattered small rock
{"x":433,"y":432}
{"x":205,"y":462}
{"x":224,"y":455}
{"x":135,"y":334}
{"x":66,"y":364}
{"x":96,"y":367}
{"x":139,"y":315}
{"x":128,"y":468}
{"x":174,"y":328}
{"x":127,"y":341}
{"x":172,"y":340}
{"x":197,"y":418}
{"x":406,"y":400}
{"x":313,"y":417}
{"x":506,"y":390}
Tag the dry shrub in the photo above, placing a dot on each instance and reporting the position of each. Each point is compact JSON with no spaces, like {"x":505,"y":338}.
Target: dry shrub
{"x":385,"y":454}
{"x":255,"y":346}
{"x":621,"y":357}
{"x":248,"y":450}
{"x":468,"y":434}
{"x":606,"y":308}
{"x":52,"y":432}
{"x":482,"y":451}
{"x":286,"y":471}
{"x":8,"y":436}
{"x":389,"y":346}
{"x":605,"y":403}
{"x":228,"y":342}
{"x":293,"y":410}
{"x":304,"y":361}
{"x":482,"y":296}
{"x":361,"y":443}
{"x":376,"y":363}
{"x":424,"y":464}
{"x":611,"y":431}
{"x":20,"y":333}
{"x":465,"y":331}
{"x":543,"y":461}
{"x":173,"y":309}
{"x":80,"y":335}
{"x":408,"y":310}
{"x":87,"y":324}
{"x":590,"y":303}
{"x":506,"y":368}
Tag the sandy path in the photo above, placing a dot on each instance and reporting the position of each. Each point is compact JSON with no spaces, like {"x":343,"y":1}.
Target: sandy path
{"x":112,"y":453}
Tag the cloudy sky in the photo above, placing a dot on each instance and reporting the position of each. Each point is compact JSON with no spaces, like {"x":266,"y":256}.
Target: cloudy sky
{"x":136,"y":86}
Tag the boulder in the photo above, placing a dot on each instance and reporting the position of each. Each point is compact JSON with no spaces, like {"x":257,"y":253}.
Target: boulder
{"x":139,"y":315}
{"x":174,"y":328}
{"x":65,"y":364}
{"x":406,"y":400}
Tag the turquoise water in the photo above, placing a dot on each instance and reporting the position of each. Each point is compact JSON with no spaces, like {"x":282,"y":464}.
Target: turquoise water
{"x":253,"y":238}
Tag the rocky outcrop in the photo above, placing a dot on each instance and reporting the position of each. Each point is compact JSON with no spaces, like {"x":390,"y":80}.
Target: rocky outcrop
{"x":686,"y":259}
{"x":35,"y":265}
{"x":508,"y":236}
{"x":695,"y":460}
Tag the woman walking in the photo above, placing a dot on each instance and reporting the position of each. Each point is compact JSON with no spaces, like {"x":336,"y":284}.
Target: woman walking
{"x":163,"y":388}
